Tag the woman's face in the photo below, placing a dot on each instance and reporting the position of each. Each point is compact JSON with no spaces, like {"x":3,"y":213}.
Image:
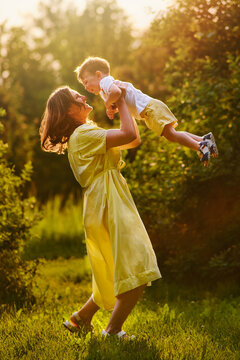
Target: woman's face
{"x":79,"y":112}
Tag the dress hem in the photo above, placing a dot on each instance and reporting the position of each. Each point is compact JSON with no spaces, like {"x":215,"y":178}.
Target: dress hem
{"x":130,"y":284}
{"x":133,"y":282}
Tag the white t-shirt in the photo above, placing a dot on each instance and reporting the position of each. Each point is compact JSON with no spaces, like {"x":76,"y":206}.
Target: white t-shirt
{"x":135,"y":99}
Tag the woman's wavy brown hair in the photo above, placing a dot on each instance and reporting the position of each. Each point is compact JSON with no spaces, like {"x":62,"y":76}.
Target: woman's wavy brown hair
{"x":57,"y":125}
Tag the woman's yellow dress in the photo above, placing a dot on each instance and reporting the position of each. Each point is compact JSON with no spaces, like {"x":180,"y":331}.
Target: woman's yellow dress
{"x":118,"y":246}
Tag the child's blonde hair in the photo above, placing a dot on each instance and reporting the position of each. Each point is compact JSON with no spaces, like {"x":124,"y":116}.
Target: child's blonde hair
{"x":91,"y":65}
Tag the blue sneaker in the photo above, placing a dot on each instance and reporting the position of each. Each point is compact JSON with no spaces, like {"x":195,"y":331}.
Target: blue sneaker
{"x":211,"y":144}
{"x":204,"y":152}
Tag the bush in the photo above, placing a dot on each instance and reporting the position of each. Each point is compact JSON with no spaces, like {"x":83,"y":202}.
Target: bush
{"x":16,"y":275}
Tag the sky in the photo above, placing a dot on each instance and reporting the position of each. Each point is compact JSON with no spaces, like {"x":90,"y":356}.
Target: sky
{"x":141,"y":12}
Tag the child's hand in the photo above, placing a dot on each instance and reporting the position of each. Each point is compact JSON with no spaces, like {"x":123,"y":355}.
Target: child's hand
{"x":111,"y":111}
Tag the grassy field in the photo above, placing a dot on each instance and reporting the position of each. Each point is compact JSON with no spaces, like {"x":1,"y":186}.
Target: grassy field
{"x":60,"y":233}
{"x":169,"y":322}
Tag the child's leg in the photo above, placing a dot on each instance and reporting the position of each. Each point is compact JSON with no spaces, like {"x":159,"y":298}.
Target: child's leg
{"x":88,"y":310}
{"x":195,"y":137}
{"x":181,"y":137}
{"x":124,"y":305}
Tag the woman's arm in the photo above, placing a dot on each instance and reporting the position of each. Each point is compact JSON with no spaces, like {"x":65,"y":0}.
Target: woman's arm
{"x":135,"y":142}
{"x":127,"y":132}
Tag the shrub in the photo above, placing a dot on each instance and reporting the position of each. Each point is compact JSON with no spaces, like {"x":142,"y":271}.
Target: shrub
{"x":16,"y":275}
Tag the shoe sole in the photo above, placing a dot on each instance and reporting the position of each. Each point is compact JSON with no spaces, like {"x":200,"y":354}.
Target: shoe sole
{"x":70,"y":327}
{"x":74,"y":328}
{"x":215,"y":153}
{"x":202,"y":155}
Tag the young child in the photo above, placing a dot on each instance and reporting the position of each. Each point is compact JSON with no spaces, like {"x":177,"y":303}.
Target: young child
{"x":94,"y":74}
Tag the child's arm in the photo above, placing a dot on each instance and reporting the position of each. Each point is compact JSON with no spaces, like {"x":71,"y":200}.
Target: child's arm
{"x":114,"y":94}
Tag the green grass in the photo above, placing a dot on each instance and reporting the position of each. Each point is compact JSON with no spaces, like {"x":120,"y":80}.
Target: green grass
{"x":170,"y":322}
{"x":59,"y":233}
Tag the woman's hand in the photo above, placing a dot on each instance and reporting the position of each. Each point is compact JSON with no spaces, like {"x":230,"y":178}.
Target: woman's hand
{"x":111,"y":111}
{"x":121,"y":99}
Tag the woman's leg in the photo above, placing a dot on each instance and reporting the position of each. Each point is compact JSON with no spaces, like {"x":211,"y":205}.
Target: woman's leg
{"x":181,"y":137}
{"x":124,"y":305}
{"x":88,"y":310}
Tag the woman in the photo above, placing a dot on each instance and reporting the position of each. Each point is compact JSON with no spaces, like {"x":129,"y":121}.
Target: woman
{"x":120,"y":252}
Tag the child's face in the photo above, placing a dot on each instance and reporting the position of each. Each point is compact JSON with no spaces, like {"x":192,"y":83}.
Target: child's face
{"x":91,"y":82}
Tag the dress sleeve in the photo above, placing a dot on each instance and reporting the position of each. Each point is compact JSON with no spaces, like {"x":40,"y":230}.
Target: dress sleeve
{"x":90,"y":142}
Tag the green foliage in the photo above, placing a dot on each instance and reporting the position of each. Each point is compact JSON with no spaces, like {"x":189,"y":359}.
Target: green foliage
{"x":192,"y":213}
{"x":102,"y":29}
{"x":169,"y":321}
{"x":60,"y":233}
{"x":15,"y":129}
{"x":16,"y":274}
